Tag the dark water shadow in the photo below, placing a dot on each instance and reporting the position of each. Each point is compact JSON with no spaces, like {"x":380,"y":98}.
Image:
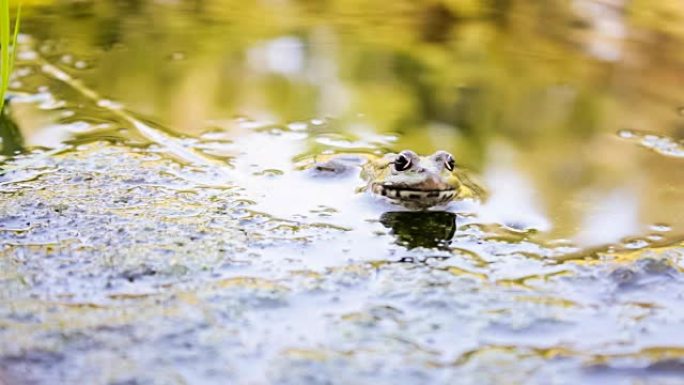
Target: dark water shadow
{"x":428,"y":229}
{"x":12,"y":142}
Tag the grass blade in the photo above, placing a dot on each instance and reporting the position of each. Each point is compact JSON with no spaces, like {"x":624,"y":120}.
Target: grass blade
{"x":7,"y":47}
{"x":13,"y":54}
{"x":4,"y":54}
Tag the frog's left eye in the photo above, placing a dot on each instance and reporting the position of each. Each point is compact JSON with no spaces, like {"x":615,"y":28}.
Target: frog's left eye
{"x":402,"y":162}
{"x":450,"y":163}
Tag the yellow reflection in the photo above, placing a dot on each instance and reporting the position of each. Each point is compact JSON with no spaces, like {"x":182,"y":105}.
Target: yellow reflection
{"x":549,"y":82}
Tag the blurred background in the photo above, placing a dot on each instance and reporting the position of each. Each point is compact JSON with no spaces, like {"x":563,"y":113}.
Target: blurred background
{"x":572,"y":110}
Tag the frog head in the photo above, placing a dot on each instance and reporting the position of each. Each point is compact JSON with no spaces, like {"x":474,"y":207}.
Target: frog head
{"x":414,"y":181}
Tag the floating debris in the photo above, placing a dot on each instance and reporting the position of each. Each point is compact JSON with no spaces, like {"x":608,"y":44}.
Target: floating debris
{"x":660,"y":144}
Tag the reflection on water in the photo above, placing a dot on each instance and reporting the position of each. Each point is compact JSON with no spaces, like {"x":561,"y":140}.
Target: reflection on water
{"x":428,"y":75}
{"x":614,"y":216}
{"x":430,"y":229}
{"x":513,"y":201}
{"x":11,"y":140}
{"x":154,"y":213}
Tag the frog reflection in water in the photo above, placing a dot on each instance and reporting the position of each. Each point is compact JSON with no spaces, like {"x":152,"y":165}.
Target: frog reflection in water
{"x":412,"y":181}
{"x":427,"y":229}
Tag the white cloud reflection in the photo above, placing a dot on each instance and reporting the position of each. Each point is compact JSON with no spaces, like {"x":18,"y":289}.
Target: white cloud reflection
{"x":613,"y":216}
{"x":513,"y":200}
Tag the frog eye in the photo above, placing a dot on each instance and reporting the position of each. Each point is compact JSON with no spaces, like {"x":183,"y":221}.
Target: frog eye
{"x":402,"y":163}
{"x":450,"y":163}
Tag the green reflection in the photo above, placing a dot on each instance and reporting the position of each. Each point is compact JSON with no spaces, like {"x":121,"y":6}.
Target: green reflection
{"x":539,"y":87}
{"x":11,"y":141}
{"x":428,"y":229}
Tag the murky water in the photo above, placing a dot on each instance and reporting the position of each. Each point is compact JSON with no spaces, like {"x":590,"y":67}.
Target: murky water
{"x":159,"y":225}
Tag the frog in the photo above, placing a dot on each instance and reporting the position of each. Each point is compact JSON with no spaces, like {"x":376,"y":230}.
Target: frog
{"x":407,"y":179}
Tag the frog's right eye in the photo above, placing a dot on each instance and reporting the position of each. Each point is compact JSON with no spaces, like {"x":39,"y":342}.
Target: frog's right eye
{"x":450,"y":163}
{"x":402,"y":163}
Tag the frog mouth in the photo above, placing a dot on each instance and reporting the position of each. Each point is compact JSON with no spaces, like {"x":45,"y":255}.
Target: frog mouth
{"x":401,"y":193}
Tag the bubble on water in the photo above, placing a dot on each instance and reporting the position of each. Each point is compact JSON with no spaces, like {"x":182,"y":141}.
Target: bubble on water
{"x":317,"y":122}
{"x":626,"y":134}
{"x":660,"y":144}
{"x":106,"y":103}
{"x":81,"y":64}
{"x":654,"y":237}
{"x":660,"y":227}
{"x":635,"y":243}
{"x":663,"y":145}
{"x":298,"y":126}
{"x":67,"y":59}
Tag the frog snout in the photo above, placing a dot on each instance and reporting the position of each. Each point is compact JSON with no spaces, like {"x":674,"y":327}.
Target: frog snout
{"x":429,"y":169}
{"x":434,"y":179}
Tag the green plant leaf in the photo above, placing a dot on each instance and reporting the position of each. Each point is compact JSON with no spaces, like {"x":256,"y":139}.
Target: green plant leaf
{"x":8,"y":48}
{"x":17,"y":20}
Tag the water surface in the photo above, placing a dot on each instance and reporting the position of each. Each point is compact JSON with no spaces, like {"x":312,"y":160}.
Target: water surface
{"x":158,"y":224}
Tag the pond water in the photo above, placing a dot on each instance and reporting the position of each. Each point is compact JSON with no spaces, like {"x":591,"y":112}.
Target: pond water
{"x":159,"y":223}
